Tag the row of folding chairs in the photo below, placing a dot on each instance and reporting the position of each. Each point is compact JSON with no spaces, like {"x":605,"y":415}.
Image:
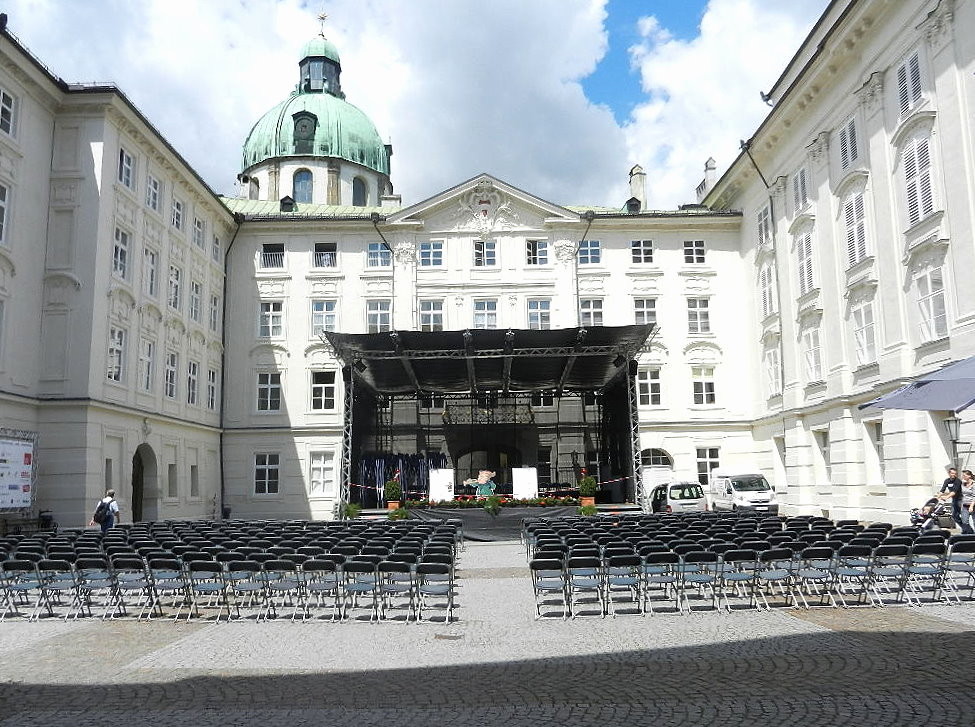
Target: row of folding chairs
{"x":747,"y":578}
{"x":314,"y":589}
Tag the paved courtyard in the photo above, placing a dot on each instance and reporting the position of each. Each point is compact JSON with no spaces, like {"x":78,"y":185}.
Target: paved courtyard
{"x":496,"y":665}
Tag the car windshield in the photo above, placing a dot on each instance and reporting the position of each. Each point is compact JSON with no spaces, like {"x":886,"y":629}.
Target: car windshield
{"x":753,"y":483}
{"x":686,"y":492}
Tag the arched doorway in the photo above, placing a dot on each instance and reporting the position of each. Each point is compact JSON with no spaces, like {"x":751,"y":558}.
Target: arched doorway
{"x":658,"y":467}
{"x":144,"y":484}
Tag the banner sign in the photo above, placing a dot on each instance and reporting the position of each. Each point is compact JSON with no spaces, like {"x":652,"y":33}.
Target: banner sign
{"x":16,"y":469}
{"x":524,"y":482}
{"x":441,"y":485}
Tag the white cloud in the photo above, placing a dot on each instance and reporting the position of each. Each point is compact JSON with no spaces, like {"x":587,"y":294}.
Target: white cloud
{"x":458,"y":86}
{"x":703,"y":93}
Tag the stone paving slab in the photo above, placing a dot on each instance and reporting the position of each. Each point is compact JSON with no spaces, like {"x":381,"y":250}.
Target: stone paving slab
{"x":496,"y":665}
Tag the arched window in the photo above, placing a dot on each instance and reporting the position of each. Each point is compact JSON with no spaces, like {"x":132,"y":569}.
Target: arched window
{"x":302,"y":187}
{"x":254,"y":189}
{"x":655,"y":458}
{"x":360,"y":196}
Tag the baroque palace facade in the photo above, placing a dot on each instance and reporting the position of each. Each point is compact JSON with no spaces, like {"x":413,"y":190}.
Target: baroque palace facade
{"x":164,"y":340}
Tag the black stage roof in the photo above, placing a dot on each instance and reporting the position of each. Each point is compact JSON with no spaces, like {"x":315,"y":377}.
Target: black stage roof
{"x":568,"y":359}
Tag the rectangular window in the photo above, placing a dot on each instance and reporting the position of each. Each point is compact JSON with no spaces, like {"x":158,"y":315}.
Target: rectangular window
{"x":648,"y":386}
{"x":378,"y":255}
{"x":773,"y":372}
{"x":694,"y":252}
{"x":153,"y":193}
{"x":909,"y":83}
{"x":125,"y":168}
{"x":431,"y":254}
{"x":485,"y":314}
{"x":848,"y":143}
{"x":322,"y":390}
{"x":177,"y":218}
{"x":266,"y":473}
{"x":590,"y":252}
{"x":536,"y":252}
{"x":485,"y":253}
{"x":918,"y":184}
{"x":378,"y":316}
{"x":172,"y":484}
{"x":931,"y":304}
{"x":192,"y":383}
{"x":821,"y":436}
{"x":539,"y":314}
{"x":800,"y":191}
{"x":591,"y":312}
{"x":432,"y":402}
{"x":641,"y":251}
{"x":271,"y":323}
{"x":216,"y":249}
{"x":863,"y":333}
{"x":702,"y":378}
{"x":812,"y":355}
{"x":8,"y":113}
{"x":196,"y":301}
{"x":645,"y":311}
{"x":324,"y":316}
{"x":175,"y":295}
{"x":698,"y":316}
{"x":116,"y":354}
{"x":171,"y":388}
{"x":804,"y":260}
{"x":269,"y":392}
{"x":272,"y":255}
{"x":326,"y":255}
{"x":199,"y":233}
{"x":194,"y":480}
{"x":543,"y":399}
{"x":856,"y":230}
{"x":4,"y":195}
{"x":875,"y":431}
{"x":321,"y":474}
{"x":120,"y":255}
{"x":766,"y":285}
{"x":707,"y":460}
{"x":215,"y":312}
{"x":147,"y":363}
{"x":544,"y":466}
{"x":150,"y":272}
{"x":212,"y":389}
{"x":764,"y":225}
{"x":431,"y":315}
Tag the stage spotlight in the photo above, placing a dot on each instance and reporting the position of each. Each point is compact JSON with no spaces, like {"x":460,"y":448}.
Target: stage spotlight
{"x":359,"y":365}
{"x":619,"y":360}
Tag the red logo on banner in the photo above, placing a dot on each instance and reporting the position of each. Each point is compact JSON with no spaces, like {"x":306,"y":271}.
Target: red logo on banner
{"x":27,"y":458}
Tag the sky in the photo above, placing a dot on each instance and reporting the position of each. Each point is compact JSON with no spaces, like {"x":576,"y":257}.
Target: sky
{"x":557,"y":97}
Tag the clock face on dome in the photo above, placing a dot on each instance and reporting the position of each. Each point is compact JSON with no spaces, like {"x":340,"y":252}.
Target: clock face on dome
{"x":304,"y":127}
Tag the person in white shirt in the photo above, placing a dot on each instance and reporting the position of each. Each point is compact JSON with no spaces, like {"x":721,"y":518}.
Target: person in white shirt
{"x":113,"y":511}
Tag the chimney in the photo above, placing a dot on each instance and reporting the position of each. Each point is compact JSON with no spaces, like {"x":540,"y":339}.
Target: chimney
{"x":638,"y":187}
{"x":709,"y":179}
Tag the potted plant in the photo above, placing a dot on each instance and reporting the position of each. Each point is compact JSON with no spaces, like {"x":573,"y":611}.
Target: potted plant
{"x":587,"y":490}
{"x":400,"y":513}
{"x":350,"y":510}
{"x":588,"y":511}
{"x":393,"y":492}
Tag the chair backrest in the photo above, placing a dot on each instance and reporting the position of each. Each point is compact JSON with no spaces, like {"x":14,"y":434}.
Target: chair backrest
{"x":963,"y":546}
{"x":436,"y":569}
{"x":775,"y":554}
{"x":243,"y":566}
{"x":818,"y":553}
{"x":855,"y":551}
{"x":929,"y":548}
{"x":437,"y":558}
{"x":128,"y":564}
{"x":319,"y":565}
{"x":360,"y":566}
{"x":392,"y":566}
{"x":741,"y":555}
{"x":701,"y":556}
{"x":623,"y":561}
{"x":280,"y":565}
{"x":889,"y":550}
{"x":543,"y":564}
{"x":202,"y":567}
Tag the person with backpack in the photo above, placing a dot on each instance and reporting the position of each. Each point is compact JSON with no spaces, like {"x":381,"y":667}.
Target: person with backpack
{"x":107,"y":512}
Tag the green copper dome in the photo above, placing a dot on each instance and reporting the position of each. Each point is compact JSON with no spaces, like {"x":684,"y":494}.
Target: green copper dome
{"x":316,"y":120}
{"x":340,"y":131}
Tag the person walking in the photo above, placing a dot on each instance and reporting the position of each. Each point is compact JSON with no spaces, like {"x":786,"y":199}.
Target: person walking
{"x":967,"y":520}
{"x":951,"y":489}
{"x":109,"y":505}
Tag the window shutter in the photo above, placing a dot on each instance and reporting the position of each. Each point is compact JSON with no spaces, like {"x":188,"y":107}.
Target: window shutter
{"x":851,"y":237}
{"x":851,"y":143}
{"x":914,"y":70}
{"x":903,"y":93}
{"x":860,"y":226}
{"x":924,"y":178}
{"x":910,"y":182}
{"x":844,"y":148}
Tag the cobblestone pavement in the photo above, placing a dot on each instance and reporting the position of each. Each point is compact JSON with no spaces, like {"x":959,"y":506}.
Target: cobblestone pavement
{"x":496,"y":665}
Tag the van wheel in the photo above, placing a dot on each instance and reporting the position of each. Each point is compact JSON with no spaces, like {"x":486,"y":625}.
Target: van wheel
{"x":734,"y":508}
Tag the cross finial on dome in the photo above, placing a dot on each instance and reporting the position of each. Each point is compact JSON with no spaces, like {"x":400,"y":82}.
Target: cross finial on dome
{"x":322,"y":17}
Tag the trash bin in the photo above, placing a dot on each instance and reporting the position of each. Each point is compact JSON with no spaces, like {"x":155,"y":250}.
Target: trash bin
{"x":225,"y":512}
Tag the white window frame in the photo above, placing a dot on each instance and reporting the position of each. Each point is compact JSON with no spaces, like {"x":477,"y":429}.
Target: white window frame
{"x":855,"y":223}
{"x":431,"y":315}
{"x":932,"y":304}
{"x":695,"y":252}
{"x":539,"y":313}
{"x":772,"y":359}
{"x":641,"y":252}
{"x":485,"y":253}
{"x":174,"y":295}
{"x":321,"y":473}
{"x":212,"y":389}
{"x":116,"y":354}
{"x":910,"y":87}
{"x":150,"y":272}
{"x":120,"y":254}
{"x":536,"y":252}
{"x":485,"y":314}
{"x":176,"y":218}
{"x":849,"y":147}
{"x":200,"y":233}
{"x":864,"y":332}
{"x":153,"y":193}
{"x":272,"y":256}
{"x":800,"y":190}
{"x":805,"y":270}
{"x":702,"y":385}
{"x":323,"y":390}
{"x":379,"y":318}
{"x":708,"y":459}
{"x":590,"y":252}
{"x":766,"y":286}
{"x":648,"y":386}
{"x":147,"y":364}
{"x":171,"y":375}
{"x":270,"y":320}
{"x":269,"y":391}
{"x":763,"y":223}
{"x":216,"y":250}
{"x":916,"y":159}
{"x":812,"y":355}
{"x":196,"y":301}
{"x":431,"y":254}
{"x":698,"y":316}
{"x":378,"y":255}
{"x":267,"y":473}
{"x":192,"y":382}
{"x":216,"y":306}
{"x":126,"y":168}
{"x":324,"y":316}
{"x":591,"y":312}
{"x":8,"y":112}
{"x":645,"y":311}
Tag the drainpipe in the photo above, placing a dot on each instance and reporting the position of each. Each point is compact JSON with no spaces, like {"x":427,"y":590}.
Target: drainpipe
{"x":374,"y":218}
{"x":239,"y":219}
{"x":588,"y":216}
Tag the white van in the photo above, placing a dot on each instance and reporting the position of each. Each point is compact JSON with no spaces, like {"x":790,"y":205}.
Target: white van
{"x":747,"y":491}
{"x":685,"y":495}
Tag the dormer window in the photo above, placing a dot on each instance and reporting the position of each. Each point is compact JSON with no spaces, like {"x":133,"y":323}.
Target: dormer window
{"x":304,"y":132}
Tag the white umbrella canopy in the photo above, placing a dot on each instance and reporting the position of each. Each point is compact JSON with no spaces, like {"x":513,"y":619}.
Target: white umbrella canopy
{"x":951,"y":388}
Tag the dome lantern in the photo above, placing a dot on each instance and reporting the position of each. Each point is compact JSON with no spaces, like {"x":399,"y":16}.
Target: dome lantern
{"x":320,"y":68}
